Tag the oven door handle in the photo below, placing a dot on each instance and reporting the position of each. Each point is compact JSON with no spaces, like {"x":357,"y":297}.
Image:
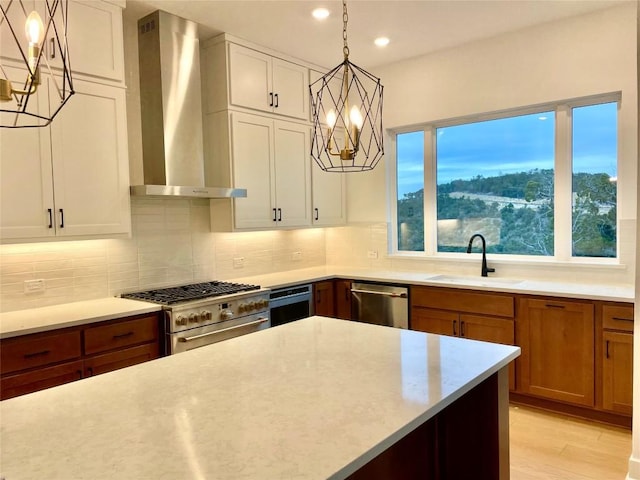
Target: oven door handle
{"x":195,"y":337}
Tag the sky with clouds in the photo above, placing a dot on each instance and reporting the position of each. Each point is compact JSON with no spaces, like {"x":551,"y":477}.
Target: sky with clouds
{"x":511,"y":145}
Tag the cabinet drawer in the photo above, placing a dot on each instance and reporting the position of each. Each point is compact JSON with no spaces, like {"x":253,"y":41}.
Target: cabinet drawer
{"x":120,"y":335}
{"x":617,"y":317}
{"x":23,"y":383}
{"x":108,"y":362}
{"x":463,"y":301}
{"x":29,"y":352}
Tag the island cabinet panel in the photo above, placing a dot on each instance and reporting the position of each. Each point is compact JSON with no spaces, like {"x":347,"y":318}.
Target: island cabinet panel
{"x":324,"y":298}
{"x":557,"y":341}
{"x":343,"y":299}
{"x":42,"y":360}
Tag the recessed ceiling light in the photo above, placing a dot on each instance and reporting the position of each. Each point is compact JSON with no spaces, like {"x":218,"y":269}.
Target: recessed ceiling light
{"x":381,"y":41}
{"x":320,"y":13}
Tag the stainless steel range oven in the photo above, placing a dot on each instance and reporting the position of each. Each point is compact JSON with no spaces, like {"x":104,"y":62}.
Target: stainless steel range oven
{"x":204,"y":313}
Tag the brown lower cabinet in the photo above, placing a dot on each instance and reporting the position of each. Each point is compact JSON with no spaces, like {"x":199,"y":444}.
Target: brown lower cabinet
{"x":434,"y":310}
{"x":34,"y":362}
{"x":324,"y":298}
{"x":557,"y":338}
{"x":343,"y":298}
{"x":617,"y":358}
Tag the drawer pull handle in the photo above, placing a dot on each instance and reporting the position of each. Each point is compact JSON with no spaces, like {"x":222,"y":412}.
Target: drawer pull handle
{"x":454,"y":328}
{"x":622,"y":319}
{"x":122,"y":335}
{"x":462,"y":328}
{"x":37,"y":354}
{"x":607,"y":348}
{"x":551,"y":305}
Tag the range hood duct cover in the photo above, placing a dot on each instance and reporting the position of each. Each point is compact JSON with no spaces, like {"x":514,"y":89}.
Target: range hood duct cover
{"x":171,"y":109}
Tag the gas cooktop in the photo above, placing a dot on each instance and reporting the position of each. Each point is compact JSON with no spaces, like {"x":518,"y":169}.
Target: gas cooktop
{"x":194,"y":291}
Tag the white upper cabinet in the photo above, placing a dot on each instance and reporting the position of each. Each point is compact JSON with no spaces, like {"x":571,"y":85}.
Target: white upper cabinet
{"x":26,"y":189}
{"x":90,"y":163}
{"x":292,"y":169}
{"x":94,"y":34}
{"x":236,"y":76}
{"x":71,"y":178}
{"x":329,"y":197}
{"x":270,"y":158}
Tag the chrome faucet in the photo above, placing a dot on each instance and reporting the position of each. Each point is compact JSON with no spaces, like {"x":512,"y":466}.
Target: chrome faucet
{"x":485,"y":270}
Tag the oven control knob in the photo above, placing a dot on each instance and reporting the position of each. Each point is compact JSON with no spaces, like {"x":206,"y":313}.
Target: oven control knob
{"x":242,"y":308}
{"x":226,"y":314}
{"x":180,"y":320}
{"x":193,"y":318}
{"x":205,"y":315}
{"x":251,"y":306}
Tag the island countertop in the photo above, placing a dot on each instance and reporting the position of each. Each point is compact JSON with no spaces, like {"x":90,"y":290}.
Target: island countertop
{"x":312,"y":399}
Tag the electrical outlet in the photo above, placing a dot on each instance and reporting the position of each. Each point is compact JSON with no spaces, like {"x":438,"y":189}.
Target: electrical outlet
{"x":238,"y":262}
{"x":296,"y":256}
{"x":32,"y":286}
{"x":372,"y":254}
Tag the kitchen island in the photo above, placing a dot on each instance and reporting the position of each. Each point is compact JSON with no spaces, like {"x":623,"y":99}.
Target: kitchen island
{"x":314,"y":399}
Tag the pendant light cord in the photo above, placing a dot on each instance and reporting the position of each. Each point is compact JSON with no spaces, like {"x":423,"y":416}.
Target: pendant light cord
{"x":345,"y":19}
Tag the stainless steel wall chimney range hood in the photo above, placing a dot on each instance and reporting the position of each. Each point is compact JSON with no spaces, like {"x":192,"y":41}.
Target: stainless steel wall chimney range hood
{"x":171,"y":108}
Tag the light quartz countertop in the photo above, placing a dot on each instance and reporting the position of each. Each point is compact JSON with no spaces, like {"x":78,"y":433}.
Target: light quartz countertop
{"x":313,"y":399}
{"x":34,"y":320}
{"x":590,"y":291}
{"x":42,"y":319}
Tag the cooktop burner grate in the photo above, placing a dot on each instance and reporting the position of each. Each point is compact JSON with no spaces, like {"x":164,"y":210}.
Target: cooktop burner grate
{"x":185,"y":293}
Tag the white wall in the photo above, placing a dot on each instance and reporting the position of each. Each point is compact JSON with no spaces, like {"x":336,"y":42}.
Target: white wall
{"x":634,"y":462}
{"x":581,"y":56}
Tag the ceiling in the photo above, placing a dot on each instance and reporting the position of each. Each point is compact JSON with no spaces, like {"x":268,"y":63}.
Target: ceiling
{"x":414,"y":27}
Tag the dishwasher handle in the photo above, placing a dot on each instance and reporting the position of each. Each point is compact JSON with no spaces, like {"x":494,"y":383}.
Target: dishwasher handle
{"x":386,"y":294}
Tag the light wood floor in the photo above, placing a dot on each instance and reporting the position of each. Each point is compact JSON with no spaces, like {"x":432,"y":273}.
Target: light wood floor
{"x":555,"y":447}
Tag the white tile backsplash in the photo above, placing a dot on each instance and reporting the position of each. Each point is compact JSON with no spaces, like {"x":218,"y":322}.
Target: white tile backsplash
{"x":171,"y":243}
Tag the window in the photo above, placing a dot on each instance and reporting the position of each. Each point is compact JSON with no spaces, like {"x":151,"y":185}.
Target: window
{"x":498,"y":176}
{"x":410,"y":187}
{"x":594,"y":189}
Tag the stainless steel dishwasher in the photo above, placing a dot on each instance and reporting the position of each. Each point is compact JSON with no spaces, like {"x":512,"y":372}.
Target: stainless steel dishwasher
{"x":380,"y":304}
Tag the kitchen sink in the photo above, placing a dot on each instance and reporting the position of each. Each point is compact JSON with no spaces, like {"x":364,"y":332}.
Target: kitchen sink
{"x":469,"y":280}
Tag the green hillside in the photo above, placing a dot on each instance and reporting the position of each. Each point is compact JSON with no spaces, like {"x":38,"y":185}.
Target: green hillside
{"x":515,"y":212}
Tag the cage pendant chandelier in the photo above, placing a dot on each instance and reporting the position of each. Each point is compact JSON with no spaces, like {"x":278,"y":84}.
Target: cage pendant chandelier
{"x":35,"y":72}
{"x":347,"y":116}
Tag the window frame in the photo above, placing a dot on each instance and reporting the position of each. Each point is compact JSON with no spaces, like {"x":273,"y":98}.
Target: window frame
{"x":563,"y":175}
